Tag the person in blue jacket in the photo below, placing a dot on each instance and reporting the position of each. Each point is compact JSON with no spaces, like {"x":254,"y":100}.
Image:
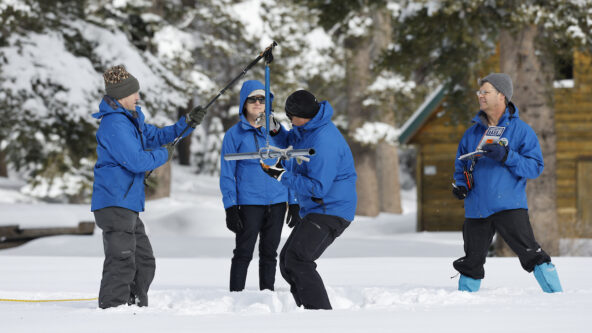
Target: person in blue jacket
{"x":255,"y":204}
{"x":325,"y":188}
{"x":126,"y":149}
{"x":493,"y":186}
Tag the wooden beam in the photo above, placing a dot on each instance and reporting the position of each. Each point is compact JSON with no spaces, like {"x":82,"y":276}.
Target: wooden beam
{"x":13,"y":235}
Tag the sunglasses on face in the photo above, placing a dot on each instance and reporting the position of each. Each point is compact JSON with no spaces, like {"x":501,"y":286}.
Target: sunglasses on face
{"x":252,"y":100}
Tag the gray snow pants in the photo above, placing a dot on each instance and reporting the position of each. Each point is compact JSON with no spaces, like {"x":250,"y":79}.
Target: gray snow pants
{"x":129,"y":264}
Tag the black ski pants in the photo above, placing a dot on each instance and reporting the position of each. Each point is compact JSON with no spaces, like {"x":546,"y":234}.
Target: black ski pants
{"x":129,"y":264}
{"x":307,"y":242}
{"x":514,"y":227}
{"x":265,"y":222}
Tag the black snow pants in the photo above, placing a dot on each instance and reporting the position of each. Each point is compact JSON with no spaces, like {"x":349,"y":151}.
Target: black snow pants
{"x":265,"y":222}
{"x":307,"y":242}
{"x":514,"y":227}
{"x":129,"y":264}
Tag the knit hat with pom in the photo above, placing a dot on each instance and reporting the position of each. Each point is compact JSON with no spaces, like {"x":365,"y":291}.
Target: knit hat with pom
{"x":119,"y":83}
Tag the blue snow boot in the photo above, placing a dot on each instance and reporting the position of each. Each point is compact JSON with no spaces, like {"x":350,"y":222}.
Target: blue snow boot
{"x":466,"y":283}
{"x":547,"y":277}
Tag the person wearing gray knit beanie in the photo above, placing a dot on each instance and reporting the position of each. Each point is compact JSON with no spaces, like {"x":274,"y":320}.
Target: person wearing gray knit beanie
{"x":501,"y":82}
{"x":495,"y":93}
{"x":492,"y":183}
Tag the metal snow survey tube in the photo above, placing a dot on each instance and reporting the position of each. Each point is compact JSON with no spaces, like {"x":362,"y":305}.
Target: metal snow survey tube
{"x":272,"y":152}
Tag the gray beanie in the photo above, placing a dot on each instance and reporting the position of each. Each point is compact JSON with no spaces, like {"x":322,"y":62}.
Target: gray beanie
{"x":500,"y":81}
{"x":119,"y":83}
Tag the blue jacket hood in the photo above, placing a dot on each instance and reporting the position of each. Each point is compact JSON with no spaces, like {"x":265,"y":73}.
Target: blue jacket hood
{"x":247,"y":88}
{"x":322,"y":118}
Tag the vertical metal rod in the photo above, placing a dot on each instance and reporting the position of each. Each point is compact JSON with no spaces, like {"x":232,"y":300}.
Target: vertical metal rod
{"x":267,"y":103}
{"x":268,"y":56}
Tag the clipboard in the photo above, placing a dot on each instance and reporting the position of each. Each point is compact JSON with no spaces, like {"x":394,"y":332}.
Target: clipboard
{"x":493,"y":134}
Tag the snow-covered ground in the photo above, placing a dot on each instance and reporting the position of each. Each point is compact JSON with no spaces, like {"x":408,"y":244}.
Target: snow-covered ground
{"x":381,"y":277}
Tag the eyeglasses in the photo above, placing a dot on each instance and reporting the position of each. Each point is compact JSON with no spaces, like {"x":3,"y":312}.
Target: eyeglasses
{"x":483,"y":92}
{"x":252,"y":100}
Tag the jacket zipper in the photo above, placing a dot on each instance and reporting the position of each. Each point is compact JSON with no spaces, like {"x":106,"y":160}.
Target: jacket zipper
{"x":129,"y":187}
{"x":144,"y":149}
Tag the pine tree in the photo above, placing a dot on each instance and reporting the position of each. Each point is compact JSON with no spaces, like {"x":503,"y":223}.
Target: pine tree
{"x":55,"y":53}
{"x":42,"y":132}
{"x":363,"y":29}
{"x":306,"y":58}
{"x":183,"y":52}
{"x":223,"y":49}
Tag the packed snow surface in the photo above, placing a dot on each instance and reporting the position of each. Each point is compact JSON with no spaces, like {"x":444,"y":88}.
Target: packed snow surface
{"x":381,"y":276}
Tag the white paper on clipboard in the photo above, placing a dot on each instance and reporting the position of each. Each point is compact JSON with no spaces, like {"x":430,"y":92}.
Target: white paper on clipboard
{"x":492,"y":135}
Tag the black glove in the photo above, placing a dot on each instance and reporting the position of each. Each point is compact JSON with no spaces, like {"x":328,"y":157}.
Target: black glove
{"x":195,"y":116}
{"x":460,"y":192}
{"x":496,"y":152}
{"x":170,"y":150}
{"x":293,"y":216}
{"x":233,"y":220}
{"x":276,"y":171}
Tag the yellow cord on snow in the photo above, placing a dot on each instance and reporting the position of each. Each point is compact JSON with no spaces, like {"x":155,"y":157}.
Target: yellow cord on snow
{"x":47,"y":300}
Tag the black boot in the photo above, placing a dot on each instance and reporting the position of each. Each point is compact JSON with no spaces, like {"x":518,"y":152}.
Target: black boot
{"x":132,"y":299}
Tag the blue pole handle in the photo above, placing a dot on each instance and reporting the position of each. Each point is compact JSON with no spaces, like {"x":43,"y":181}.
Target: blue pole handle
{"x":267,"y":100}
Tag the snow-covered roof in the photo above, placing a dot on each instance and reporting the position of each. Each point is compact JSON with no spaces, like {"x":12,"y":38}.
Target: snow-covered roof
{"x":421,"y":114}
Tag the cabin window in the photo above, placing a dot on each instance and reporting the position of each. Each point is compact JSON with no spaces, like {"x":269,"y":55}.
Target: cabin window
{"x":564,"y":65}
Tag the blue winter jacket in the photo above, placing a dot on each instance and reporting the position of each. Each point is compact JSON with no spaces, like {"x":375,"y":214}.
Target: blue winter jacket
{"x":499,"y":186}
{"x":326,"y":184}
{"x":243,"y":182}
{"x":126,"y":149}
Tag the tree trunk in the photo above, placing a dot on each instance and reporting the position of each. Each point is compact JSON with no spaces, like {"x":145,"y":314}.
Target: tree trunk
{"x":532,"y":76}
{"x":377,"y":166}
{"x":387,"y":157}
{"x":3,"y":169}
{"x":387,"y":167}
{"x":357,"y":80}
{"x":159,"y":183}
{"x":184,"y":146}
{"x":158,"y":7}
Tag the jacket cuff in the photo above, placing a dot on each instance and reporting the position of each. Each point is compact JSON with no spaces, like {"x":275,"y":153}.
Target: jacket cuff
{"x":510,"y":158}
